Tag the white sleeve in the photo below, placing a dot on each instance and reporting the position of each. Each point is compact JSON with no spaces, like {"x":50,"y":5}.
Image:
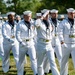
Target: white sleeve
{"x":4,"y":33}
{"x":37,"y":23}
{"x":18,"y":32}
{"x":61,"y":31}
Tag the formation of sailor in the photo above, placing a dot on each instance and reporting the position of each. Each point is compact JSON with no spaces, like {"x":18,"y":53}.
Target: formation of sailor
{"x":40,"y":38}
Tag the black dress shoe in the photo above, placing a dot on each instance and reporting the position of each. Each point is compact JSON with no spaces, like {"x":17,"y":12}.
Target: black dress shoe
{"x":24,"y":73}
{"x":45,"y":73}
{"x":50,"y":71}
{"x":9,"y":67}
{"x":36,"y":74}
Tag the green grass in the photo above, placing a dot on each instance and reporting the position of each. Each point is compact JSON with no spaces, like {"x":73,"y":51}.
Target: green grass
{"x":28,"y":70}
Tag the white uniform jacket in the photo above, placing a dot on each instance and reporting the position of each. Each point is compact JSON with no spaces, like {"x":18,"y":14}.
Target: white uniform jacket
{"x":25,"y":35}
{"x":55,"y":35}
{"x":8,"y":33}
{"x":1,"y":23}
{"x":43,"y":35}
{"x":66,"y":33}
{"x":55,"y":30}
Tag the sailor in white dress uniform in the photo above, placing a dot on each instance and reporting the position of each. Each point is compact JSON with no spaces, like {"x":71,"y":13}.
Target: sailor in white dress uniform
{"x":25,"y":35}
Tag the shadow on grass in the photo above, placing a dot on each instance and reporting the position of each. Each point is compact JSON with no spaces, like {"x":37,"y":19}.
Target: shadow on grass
{"x":13,"y":71}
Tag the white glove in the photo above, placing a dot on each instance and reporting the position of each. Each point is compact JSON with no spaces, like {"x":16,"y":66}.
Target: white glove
{"x":45,"y":14}
{"x":22,"y":43}
{"x":11,"y":41}
{"x":64,"y":45}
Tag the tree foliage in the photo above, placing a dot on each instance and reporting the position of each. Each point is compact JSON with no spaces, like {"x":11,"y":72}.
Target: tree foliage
{"x":2,"y":7}
{"x":19,"y":6}
{"x":61,"y":5}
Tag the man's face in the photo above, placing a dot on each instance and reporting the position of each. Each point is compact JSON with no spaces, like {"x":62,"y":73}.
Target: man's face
{"x":74,"y":15}
{"x":54,"y":15}
{"x":10,"y":17}
{"x":27,"y":17}
{"x":71,"y":15}
{"x":47,"y":17}
{"x":18,"y":18}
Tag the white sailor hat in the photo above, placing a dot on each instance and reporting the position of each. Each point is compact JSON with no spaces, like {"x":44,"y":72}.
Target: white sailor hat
{"x":61,"y":16}
{"x":53,"y":11}
{"x":28,"y":12}
{"x":44,"y":10}
{"x":71,"y":10}
{"x":0,"y":17}
{"x":17,"y":16}
{"x":38,"y":14}
{"x":10,"y":13}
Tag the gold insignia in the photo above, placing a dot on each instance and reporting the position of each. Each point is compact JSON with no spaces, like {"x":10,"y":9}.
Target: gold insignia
{"x":71,"y":36}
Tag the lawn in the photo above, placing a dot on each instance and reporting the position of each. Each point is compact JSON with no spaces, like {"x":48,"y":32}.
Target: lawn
{"x":13,"y":70}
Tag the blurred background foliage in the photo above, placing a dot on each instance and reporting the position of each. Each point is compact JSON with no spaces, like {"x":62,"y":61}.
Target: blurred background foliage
{"x":19,"y":6}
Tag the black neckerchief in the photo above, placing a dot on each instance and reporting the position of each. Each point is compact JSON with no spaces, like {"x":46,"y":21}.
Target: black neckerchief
{"x":54,"y":20}
{"x":71,"y":21}
{"x":46,"y":23}
{"x":28,"y":24}
{"x":11,"y":23}
{"x":47,"y":27}
{"x":17,"y":21}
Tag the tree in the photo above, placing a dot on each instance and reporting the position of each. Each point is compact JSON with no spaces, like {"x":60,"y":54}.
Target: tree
{"x":2,"y":7}
{"x":36,"y":5}
{"x":13,"y":4}
{"x":61,"y":5}
{"x":19,"y":6}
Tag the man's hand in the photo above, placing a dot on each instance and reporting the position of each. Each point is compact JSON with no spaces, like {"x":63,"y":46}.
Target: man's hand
{"x":22,"y":43}
{"x":45,"y":14}
{"x":11,"y":41}
{"x":62,"y":42}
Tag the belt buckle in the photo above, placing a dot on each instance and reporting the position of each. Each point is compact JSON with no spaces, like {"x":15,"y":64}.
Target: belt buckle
{"x":47,"y":40}
{"x":27,"y":40}
{"x":72,"y":36}
{"x":12,"y":36}
{"x":55,"y":35}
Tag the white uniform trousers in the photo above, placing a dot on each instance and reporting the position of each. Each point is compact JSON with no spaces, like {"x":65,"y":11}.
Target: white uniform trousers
{"x":73,"y":57}
{"x":1,"y":48}
{"x":7,"y":48}
{"x":32,"y":55}
{"x":57,"y":49}
{"x":48,"y":50}
{"x":66,"y":50}
{"x":46,"y":64}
